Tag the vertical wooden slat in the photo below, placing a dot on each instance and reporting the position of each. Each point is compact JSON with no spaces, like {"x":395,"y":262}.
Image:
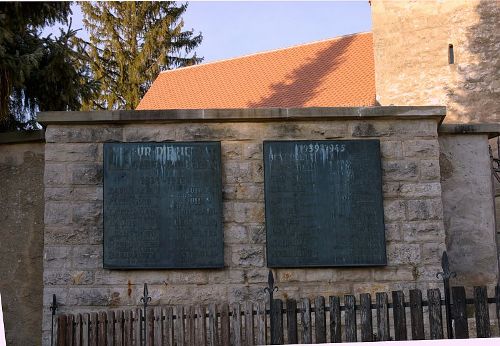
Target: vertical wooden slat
{"x":110,"y":328}
{"x":398,"y":309}
{"x":383,"y":317}
{"x":201,"y":326}
{"x":168,"y":326}
{"x":320,"y":319}
{"x":179,"y":326}
{"x":236,"y":324}
{"x":85,"y":329}
{"x":69,"y":330}
{"x":261,"y":337}
{"x":190,"y":331}
{"x":137,"y":332}
{"x":213,"y":338}
{"x":335,"y":321}
{"x":291,"y":320}
{"x":101,"y":328}
{"x":151,"y":326}
{"x":305,"y":316}
{"x":119,"y":320}
{"x":460,"y":312}
{"x":350,"y":318}
{"x":276,"y":322}
{"x":94,"y":329}
{"x":365,"y":306}
{"x":119,"y":328}
{"x":61,"y":330}
{"x":249,"y":325}
{"x":127,"y":328}
{"x":78,"y":330}
{"x":225,"y":335}
{"x":435,"y":313}
{"x":417,"y":315}
{"x":158,"y":327}
{"x":481,"y":311}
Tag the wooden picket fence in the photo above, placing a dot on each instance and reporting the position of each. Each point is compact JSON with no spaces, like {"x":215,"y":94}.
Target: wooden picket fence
{"x":288,"y":322}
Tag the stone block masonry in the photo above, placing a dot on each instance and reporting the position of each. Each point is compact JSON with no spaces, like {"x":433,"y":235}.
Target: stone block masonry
{"x":21,"y":235}
{"x":413,"y":211}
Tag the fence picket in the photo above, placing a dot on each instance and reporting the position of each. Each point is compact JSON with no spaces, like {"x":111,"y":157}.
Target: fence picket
{"x":236,"y":324}
{"x":179,"y":325}
{"x":119,"y":328}
{"x":497,"y":303}
{"x":101,"y":338}
{"x":365,"y":302}
{"x":435,"y":314}
{"x":481,"y":312}
{"x":158,"y":326}
{"x":61,"y":330}
{"x":110,"y":327}
{"x":85,"y":329}
{"x":460,"y":312}
{"x":201,"y":326}
{"x":137,"y":332}
{"x":383,"y":317}
{"x":151,"y":327}
{"x":398,"y":310}
{"x":69,"y":330}
{"x":94,"y":328}
{"x":350,"y":318}
{"x":249,"y":326}
{"x":261,"y":337}
{"x":417,"y":315}
{"x":127,"y":328}
{"x":276,"y":322}
{"x":168,"y":326}
{"x":224,"y":325}
{"x":320,"y":319}
{"x":305,"y":315}
{"x":291,"y":321}
{"x":190,"y":326}
{"x":213,"y":339}
{"x":78,"y":330}
{"x":335,"y":321}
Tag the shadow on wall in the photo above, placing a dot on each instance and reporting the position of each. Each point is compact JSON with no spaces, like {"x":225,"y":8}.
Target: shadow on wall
{"x":306,"y":80}
{"x":476,"y":98}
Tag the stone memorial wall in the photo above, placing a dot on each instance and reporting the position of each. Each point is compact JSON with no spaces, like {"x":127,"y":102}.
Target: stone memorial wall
{"x":74,"y":209}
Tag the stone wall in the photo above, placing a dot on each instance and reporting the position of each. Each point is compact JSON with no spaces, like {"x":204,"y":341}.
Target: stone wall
{"x":469,"y":211}
{"x":411,"y":41}
{"x":21,"y":237}
{"x":73,"y":205}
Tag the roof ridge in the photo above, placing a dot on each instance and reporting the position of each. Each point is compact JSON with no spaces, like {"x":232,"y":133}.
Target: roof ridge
{"x":266,"y":52}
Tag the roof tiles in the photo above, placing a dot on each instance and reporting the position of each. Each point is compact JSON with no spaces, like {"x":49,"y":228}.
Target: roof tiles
{"x":331,"y":73}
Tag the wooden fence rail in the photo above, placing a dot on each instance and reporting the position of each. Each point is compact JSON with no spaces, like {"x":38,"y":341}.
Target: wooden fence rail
{"x":304,"y":321}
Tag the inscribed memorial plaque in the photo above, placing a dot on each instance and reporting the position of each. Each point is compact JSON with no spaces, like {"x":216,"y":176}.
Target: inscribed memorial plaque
{"x":162,"y":205}
{"x":324,"y":203}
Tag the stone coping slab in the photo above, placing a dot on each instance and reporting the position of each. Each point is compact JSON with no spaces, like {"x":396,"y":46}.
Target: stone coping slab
{"x":242,"y":115}
{"x":22,"y":137}
{"x":491,"y":129}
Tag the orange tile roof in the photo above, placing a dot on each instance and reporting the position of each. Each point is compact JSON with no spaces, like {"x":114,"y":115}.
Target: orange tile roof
{"x":331,"y":73}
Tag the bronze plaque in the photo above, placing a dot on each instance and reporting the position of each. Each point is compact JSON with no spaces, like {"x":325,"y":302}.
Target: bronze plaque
{"x":163,"y":205}
{"x":324,"y":203}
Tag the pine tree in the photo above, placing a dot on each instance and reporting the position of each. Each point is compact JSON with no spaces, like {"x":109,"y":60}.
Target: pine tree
{"x":130,"y":43}
{"x":38,"y":73}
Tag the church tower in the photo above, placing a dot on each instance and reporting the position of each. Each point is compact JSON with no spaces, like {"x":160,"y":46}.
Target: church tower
{"x":439,"y":53}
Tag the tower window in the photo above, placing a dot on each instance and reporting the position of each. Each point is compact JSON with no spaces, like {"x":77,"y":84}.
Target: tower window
{"x":451,"y":54}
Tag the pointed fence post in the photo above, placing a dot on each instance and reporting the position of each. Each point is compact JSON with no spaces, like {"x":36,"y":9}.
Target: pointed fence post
{"x":145,"y":299}
{"x":446,"y":274}
{"x":271,"y":288}
{"x":53,"y":308}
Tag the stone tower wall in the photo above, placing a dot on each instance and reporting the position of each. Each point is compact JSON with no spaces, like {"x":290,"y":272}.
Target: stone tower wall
{"x":411,"y":40}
